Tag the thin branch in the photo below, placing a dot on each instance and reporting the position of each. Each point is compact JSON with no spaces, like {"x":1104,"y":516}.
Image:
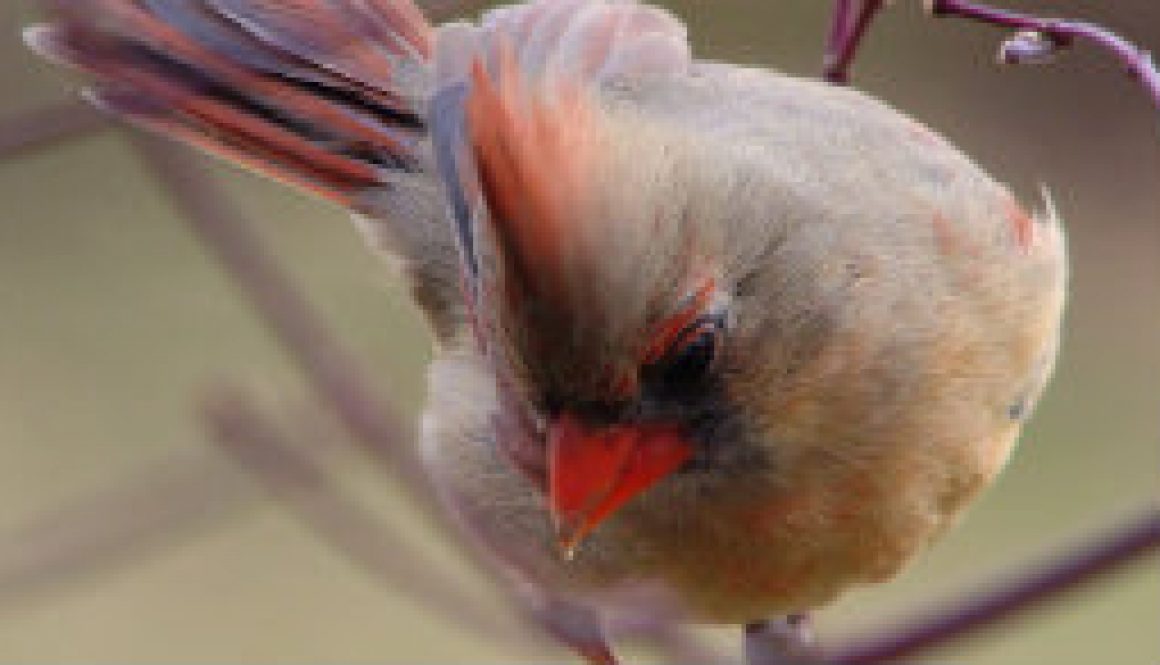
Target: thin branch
{"x":292,"y":472}
{"x":1046,"y":581}
{"x":851,"y":20}
{"x":838,"y":36}
{"x":337,"y":380}
{"x":335,"y":377}
{"x":45,"y":126}
{"x":1061,"y":33}
{"x":177,"y":496}
{"x":1035,"y":41}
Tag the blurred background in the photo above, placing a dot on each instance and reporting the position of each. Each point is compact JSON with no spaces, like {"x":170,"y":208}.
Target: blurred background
{"x":113,"y":323}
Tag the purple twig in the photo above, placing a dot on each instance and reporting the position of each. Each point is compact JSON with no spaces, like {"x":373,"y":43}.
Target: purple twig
{"x":47,"y":125}
{"x":1037,"y":38}
{"x":852,"y":19}
{"x":1062,"y":32}
{"x":838,"y":37}
{"x":1103,"y":554}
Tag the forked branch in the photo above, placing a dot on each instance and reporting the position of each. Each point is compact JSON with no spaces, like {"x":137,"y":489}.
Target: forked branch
{"x":1034,"y":40}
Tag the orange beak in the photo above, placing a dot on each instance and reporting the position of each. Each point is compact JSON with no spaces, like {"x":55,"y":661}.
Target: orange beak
{"x":593,"y":472}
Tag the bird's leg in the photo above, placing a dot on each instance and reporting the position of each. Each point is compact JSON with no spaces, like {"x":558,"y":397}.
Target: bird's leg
{"x":577,"y":628}
{"x":787,"y":641}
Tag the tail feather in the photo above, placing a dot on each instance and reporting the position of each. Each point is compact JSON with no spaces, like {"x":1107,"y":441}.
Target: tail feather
{"x":326,"y":96}
{"x":345,"y":37}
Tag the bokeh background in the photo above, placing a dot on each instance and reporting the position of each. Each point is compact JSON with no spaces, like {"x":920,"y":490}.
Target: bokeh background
{"x":113,"y":322}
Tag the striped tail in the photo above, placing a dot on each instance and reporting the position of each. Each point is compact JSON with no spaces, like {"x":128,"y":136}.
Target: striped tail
{"x":327,"y":95}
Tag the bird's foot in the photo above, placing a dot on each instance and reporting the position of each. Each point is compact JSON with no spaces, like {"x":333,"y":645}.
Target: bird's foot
{"x":786,"y":641}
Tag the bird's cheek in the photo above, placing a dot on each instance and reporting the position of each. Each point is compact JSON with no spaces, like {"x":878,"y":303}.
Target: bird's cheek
{"x":593,"y":471}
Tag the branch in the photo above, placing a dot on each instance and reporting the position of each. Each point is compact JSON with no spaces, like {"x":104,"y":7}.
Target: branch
{"x":291,"y":471}
{"x":1039,"y":38}
{"x":110,"y":527}
{"x":1036,"y":40}
{"x":46,"y":126}
{"x":335,"y":377}
{"x":1102,"y":554}
{"x":851,"y":20}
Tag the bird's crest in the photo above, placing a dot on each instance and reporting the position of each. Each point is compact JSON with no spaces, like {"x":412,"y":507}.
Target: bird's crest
{"x":535,"y":153}
{"x":520,"y":133}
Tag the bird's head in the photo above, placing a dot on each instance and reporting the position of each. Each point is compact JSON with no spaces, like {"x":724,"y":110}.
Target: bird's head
{"x":602,"y":300}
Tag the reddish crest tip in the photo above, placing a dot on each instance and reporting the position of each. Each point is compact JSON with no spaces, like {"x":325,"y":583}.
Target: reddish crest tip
{"x":534,"y":150}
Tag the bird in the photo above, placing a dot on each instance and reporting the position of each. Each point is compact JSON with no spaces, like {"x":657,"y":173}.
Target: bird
{"x":710,"y":340}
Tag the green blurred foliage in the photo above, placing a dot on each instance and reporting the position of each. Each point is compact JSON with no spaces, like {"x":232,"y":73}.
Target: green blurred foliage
{"x":113,"y":322}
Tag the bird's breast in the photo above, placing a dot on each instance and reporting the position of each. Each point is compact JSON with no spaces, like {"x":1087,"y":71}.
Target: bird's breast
{"x":702,"y":547}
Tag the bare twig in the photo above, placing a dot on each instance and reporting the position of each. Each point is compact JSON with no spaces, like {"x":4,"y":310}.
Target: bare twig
{"x":1062,"y":33}
{"x":45,"y":126}
{"x":1039,"y":583}
{"x":336,"y":378}
{"x":1035,"y":39}
{"x":292,"y":472}
{"x":176,"y":496}
{"x":851,"y":20}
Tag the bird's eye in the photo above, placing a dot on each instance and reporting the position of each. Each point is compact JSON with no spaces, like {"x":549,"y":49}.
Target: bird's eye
{"x":690,"y":358}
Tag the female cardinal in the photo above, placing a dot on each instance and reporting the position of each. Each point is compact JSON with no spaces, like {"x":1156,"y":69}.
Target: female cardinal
{"x":710,"y":339}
